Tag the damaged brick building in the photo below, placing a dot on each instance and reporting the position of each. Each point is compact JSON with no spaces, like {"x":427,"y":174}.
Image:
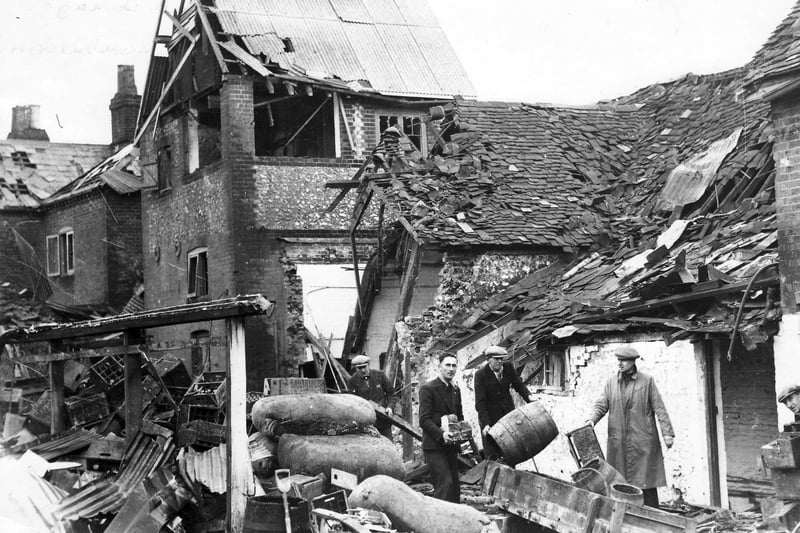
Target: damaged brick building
{"x":71,"y":236}
{"x":262,"y":103}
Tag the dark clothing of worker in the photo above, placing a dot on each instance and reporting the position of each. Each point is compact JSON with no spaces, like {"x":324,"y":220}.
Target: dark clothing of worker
{"x":493,"y":395}
{"x":436,"y":399}
{"x":633,"y":403}
{"x":375,"y":386}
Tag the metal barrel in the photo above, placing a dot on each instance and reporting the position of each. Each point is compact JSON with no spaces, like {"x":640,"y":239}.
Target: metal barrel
{"x":522,"y":433}
{"x":627,"y":493}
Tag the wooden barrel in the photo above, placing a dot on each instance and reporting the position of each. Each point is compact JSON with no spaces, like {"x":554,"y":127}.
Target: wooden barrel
{"x":627,"y":493}
{"x":522,"y":433}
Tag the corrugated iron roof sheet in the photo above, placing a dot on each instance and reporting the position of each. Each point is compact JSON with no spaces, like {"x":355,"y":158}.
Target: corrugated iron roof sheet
{"x":351,"y":40}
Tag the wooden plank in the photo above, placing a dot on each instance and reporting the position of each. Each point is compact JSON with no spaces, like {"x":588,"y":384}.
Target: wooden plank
{"x":57,"y":408}
{"x":236,"y":426}
{"x":210,"y":34}
{"x":180,"y":27}
{"x":337,"y":127}
{"x":181,"y":314}
{"x":564,"y":507}
{"x":342,"y":184}
{"x":397,"y":421}
{"x":80,"y":354}
{"x":406,"y":293}
{"x":164,"y":92}
{"x":133,"y":395}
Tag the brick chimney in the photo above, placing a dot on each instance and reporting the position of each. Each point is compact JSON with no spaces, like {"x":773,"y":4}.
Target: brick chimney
{"x":26,"y":124}
{"x":124,"y":107}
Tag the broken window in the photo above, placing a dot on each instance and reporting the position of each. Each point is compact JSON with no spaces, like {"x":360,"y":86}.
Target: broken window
{"x":411,"y":125}
{"x":551,"y":375}
{"x":298,"y":127}
{"x":61,"y":253}
{"x":198,"y":272}
{"x":164,"y":162}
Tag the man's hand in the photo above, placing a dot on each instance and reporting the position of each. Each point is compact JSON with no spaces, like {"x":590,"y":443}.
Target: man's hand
{"x":388,"y":411}
{"x":485,"y":429}
{"x":590,"y":423}
{"x":446,"y":437}
{"x":669,"y":441}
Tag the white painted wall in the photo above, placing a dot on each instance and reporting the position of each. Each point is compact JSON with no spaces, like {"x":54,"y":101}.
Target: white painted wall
{"x":786,"y":348}
{"x":329,"y":298}
{"x":679,"y":374}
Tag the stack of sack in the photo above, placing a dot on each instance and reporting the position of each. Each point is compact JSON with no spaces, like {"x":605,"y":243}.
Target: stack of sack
{"x":317,"y":432}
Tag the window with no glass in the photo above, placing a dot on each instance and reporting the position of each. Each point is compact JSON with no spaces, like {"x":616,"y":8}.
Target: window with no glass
{"x":198,"y":272}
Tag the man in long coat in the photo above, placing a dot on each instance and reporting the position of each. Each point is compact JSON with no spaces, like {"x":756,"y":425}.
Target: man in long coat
{"x":493,"y":382}
{"x":437,"y":398}
{"x":632,"y":402}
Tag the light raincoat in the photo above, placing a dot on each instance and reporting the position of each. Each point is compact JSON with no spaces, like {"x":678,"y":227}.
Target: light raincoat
{"x":633,"y":446}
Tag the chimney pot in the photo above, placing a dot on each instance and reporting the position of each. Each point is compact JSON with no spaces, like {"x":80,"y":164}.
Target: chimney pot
{"x":26,"y":123}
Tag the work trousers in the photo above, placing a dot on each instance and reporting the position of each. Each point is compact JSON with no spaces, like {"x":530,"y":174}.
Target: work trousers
{"x":443,"y":466}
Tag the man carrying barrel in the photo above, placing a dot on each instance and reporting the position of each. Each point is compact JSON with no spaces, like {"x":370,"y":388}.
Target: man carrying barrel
{"x":439,"y":398}
{"x":493,"y":384}
{"x":372,"y":384}
{"x":632,"y":402}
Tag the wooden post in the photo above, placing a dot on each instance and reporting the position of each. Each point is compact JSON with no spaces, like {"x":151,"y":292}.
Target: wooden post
{"x":235,"y":403}
{"x":57,"y":399}
{"x":133,"y":393}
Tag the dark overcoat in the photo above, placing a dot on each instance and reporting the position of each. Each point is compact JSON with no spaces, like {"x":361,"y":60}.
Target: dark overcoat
{"x":436,"y":400}
{"x":374,"y":386}
{"x":633,"y":445}
{"x":492,"y":397}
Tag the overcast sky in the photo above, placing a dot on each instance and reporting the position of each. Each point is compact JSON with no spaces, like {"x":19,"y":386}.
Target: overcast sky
{"x":62,"y":54}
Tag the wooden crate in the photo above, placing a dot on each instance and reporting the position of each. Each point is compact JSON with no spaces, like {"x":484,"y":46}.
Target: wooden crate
{"x":276,"y":386}
{"x":583,"y":445}
{"x":783,"y":452}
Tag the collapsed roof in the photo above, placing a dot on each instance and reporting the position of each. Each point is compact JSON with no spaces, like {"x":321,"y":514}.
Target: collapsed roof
{"x":666,"y":195}
{"x":32,"y":170}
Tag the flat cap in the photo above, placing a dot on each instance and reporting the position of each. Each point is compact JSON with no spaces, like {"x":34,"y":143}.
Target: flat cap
{"x":788,"y":391}
{"x":496,"y":351}
{"x":626,"y":352}
{"x":359,"y":360}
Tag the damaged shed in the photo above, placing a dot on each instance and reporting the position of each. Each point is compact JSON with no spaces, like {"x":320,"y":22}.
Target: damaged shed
{"x":561,"y":232}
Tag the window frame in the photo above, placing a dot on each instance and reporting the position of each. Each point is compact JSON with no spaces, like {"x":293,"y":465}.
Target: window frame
{"x":67,"y":251}
{"x":50,"y":259}
{"x":164,"y":168}
{"x":423,"y":132}
{"x":60,"y":253}
{"x":192,"y":273}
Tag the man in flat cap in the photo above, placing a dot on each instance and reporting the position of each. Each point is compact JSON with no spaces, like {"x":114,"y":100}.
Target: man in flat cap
{"x":632,"y":402}
{"x":790,"y":397}
{"x":373,"y":384}
{"x":493,"y":382}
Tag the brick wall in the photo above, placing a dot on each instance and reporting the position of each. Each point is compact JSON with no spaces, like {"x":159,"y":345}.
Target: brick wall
{"x":28,"y":224}
{"x":786,"y":152}
{"x":124,"y":222}
{"x":750,"y":417}
{"x":86,"y":216}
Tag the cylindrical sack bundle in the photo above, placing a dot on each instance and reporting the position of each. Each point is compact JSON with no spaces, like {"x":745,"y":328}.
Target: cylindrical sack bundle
{"x":312,"y":414}
{"x":411,"y":511}
{"x":361,"y":455}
